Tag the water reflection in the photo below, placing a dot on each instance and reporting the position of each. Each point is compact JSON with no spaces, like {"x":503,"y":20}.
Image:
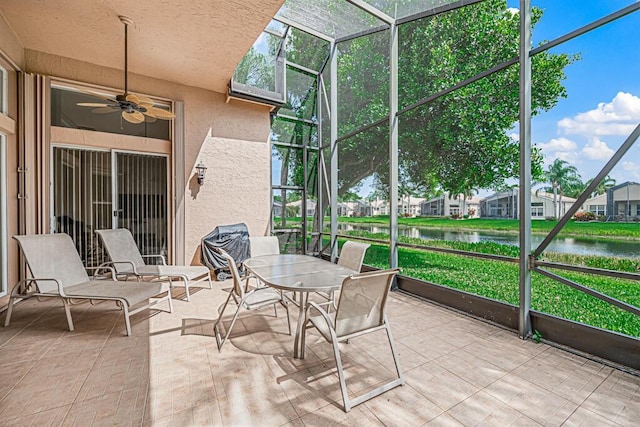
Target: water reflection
{"x":570,"y":245}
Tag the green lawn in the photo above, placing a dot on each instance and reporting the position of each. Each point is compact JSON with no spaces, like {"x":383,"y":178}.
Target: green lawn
{"x":618,"y":230}
{"x":499,"y":281}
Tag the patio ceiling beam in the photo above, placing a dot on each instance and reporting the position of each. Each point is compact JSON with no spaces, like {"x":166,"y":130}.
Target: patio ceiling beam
{"x":304,"y":28}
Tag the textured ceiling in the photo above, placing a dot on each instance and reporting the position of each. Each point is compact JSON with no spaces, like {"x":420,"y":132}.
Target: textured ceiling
{"x":194,"y":42}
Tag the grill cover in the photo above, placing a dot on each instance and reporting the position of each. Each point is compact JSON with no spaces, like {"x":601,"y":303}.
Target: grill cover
{"x":233,"y":239}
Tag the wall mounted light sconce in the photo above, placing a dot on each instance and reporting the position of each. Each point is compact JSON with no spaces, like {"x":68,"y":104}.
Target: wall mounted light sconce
{"x":202,"y":170}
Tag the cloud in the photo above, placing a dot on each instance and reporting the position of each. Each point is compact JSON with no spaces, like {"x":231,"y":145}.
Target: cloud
{"x":596,"y":149}
{"x":559,"y":148}
{"x":618,"y":117}
{"x":632,"y":171}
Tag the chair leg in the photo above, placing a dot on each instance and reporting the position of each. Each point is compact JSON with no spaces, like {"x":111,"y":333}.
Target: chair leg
{"x":10,"y":306}
{"x":185,"y":279}
{"x":343,"y":383}
{"x":67,"y":310}
{"x":393,"y":352}
{"x":127,"y":322}
{"x":286,"y":307}
{"x":209,"y":278}
{"x":216,"y":326}
{"x":170,"y":300}
{"x":233,"y":322}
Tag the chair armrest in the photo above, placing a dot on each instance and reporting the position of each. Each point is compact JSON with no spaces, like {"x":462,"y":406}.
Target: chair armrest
{"x":114,"y":263}
{"x":34,"y":282}
{"x":102,"y":266}
{"x":162,"y":258}
{"x":320,"y":310}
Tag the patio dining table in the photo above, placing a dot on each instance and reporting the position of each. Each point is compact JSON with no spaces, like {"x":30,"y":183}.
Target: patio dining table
{"x":301,"y":274}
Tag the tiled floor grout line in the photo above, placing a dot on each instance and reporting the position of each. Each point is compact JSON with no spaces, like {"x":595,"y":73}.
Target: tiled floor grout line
{"x":104,"y":344}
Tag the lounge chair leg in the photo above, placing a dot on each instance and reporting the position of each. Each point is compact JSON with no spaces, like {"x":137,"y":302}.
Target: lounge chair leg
{"x":67,"y":310}
{"x":127,"y":323}
{"x":209,"y":278}
{"x":170,"y":300}
{"x":186,"y":286}
{"x":10,"y":306}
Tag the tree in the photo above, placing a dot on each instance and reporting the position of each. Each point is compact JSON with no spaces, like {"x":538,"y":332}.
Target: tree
{"x":564,"y":180}
{"x":459,"y":141}
{"x":606,"y":183}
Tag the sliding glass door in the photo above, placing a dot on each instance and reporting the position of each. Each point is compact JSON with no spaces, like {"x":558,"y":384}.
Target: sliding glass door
{"x":93,"y":190}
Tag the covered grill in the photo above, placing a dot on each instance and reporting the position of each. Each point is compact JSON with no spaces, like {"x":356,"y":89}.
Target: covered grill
{"x":233,"y":239}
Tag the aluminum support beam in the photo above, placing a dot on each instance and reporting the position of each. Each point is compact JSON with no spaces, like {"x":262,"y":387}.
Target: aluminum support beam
{"x":333,"y":108}
{"x":393,"y":147}
{"x":524,"y":321}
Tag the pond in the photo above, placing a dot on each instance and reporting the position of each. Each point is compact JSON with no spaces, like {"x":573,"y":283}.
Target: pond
{"x":570,"y":245}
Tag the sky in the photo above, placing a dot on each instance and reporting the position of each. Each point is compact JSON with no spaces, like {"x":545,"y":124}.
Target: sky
{"x":603,"y":103}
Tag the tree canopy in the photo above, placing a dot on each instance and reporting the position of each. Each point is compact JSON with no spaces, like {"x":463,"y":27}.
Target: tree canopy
{"x":456,"y":142}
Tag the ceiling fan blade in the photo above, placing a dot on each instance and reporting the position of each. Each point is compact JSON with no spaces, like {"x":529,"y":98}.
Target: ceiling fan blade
{"x":104,"y":110}
{"x":97,"y":95}
{"x":132,"y":98}
{"x":92,"y":104}
{"x":160,"y":113}
{"x":149,"y":118}
{"x":135,"y":117}
{"x":144,"y":100}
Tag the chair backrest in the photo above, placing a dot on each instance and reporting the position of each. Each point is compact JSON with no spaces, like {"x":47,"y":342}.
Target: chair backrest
{"x":120,"y":246}
{"x":352,"y":255}
{"x":52,"y":256}
{"x":235,"y":274}
{"x":264,"y":245}
{"x":362,"y":302}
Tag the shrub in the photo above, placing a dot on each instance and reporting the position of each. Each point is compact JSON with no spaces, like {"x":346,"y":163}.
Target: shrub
{"x":585,"y":216}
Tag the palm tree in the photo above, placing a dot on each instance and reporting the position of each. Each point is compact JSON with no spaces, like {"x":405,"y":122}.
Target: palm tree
{"x":606,"y":183}
{"x":564,"y":180}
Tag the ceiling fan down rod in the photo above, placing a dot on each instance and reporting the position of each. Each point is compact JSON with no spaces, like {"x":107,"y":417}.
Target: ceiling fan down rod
{"x":126,"y":21}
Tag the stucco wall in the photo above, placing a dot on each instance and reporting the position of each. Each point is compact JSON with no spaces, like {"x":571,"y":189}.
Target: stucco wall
{"x":230,"y":138}
{"x":9,"y":43}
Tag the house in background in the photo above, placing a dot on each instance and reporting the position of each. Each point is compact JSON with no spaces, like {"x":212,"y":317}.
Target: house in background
{"x":445,"y":205}
{"x":409,"y":206}
{"x":623,"y":202}
{"x":505,"y":205}
{"x":297,"y":205}
{"x":596,"y":205}
{"x":355,"y":208}
{"x":379,"y":207}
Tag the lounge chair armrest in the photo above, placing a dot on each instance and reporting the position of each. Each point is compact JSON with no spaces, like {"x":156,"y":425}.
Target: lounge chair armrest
{"x":103,"y":266}
{"x":27,"y":283}
{"x":319,"y":309}
{"x":115,"y":263}
{"x":162,"y":258}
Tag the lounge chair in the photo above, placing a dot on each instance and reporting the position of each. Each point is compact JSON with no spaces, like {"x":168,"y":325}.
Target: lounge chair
{"x":127,"y":260}
{"x":58,"y":272}
{"x":361,"y":310}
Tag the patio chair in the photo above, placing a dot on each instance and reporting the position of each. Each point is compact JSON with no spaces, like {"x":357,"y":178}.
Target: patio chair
{"x":260,"y":246}
{"x":248,"y":299}
{"x":127,"y":260}
{"x":361,"y":310}
{"x":351,"y":256}
{"x":58,"y":272}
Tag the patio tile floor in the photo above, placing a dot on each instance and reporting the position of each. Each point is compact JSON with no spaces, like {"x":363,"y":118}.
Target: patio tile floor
{"x":459,"y":372}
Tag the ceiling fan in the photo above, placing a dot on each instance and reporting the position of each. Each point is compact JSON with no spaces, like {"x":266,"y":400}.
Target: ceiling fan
{"x":134,"y":108}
